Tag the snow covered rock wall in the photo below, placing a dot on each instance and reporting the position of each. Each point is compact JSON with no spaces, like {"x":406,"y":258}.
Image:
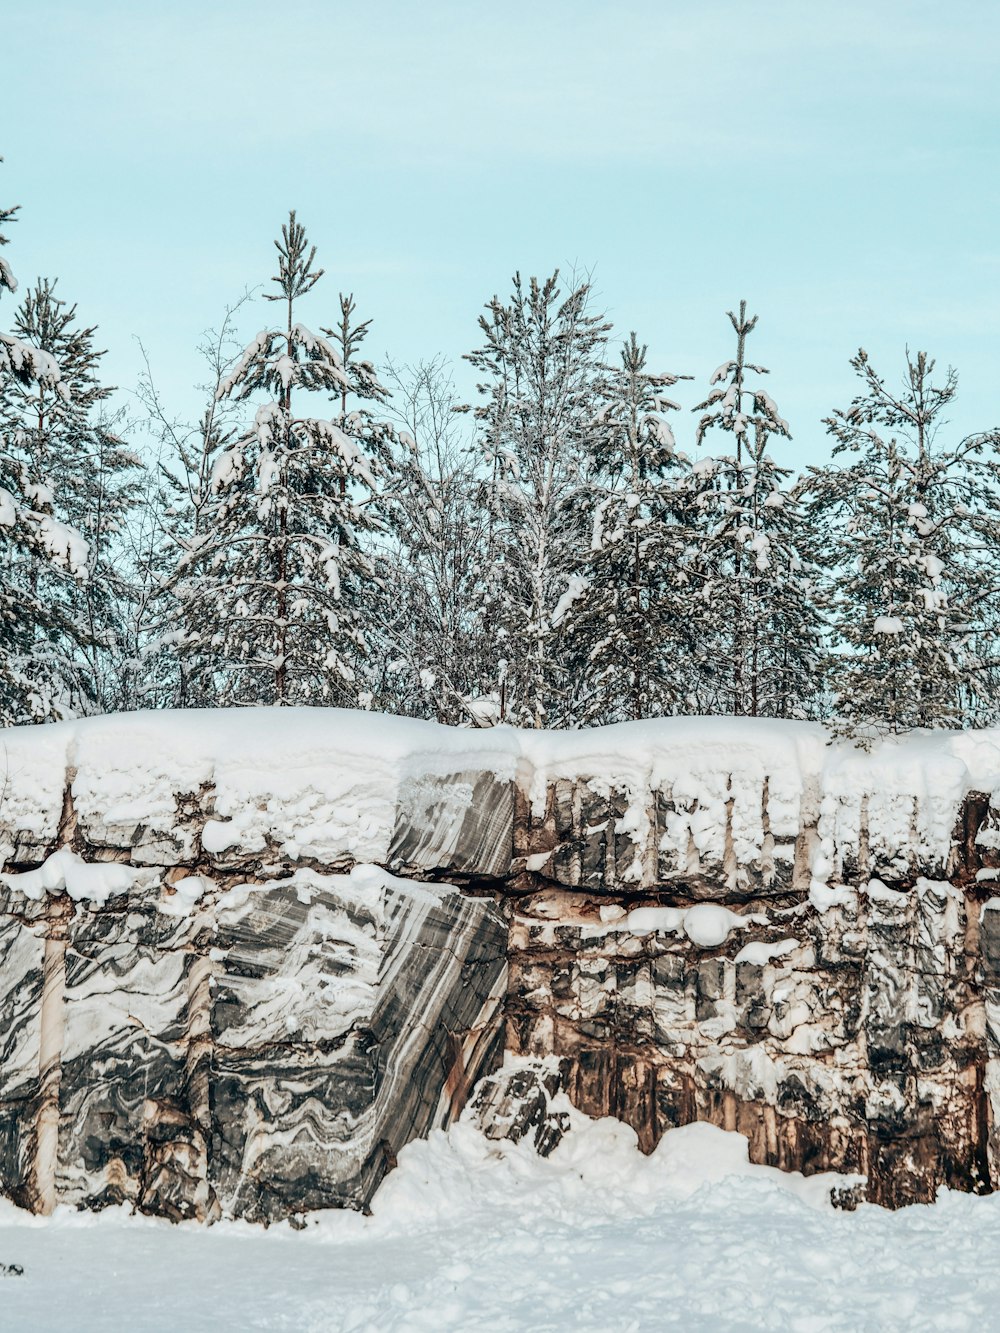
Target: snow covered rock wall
{"x":851,"y":1041}
{"x":264,"y":1054}
{"x":782,"y":937}
{"x":211,"y":1002}
{"x":245,"y":957}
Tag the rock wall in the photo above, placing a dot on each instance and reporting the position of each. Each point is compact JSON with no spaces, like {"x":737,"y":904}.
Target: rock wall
{"x":854,"y":1042}
{"x":686,"y":963}
{"x":205,"y":1029}
{"x":265,"y":1055}
{"x":245,"y":958}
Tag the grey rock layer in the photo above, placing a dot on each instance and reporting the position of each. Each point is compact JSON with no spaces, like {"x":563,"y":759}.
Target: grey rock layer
{"x":267,"y":1053}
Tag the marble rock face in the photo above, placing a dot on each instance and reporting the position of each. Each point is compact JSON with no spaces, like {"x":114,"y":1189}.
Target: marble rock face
{"x":850,"y":1040}
{"x":459,"y":823}
{"x":22,"y":962}
{"x":724,"y":836}
{"x":262,"y":1051}
{"x":815,"y":964}
{"x":219,"y":998}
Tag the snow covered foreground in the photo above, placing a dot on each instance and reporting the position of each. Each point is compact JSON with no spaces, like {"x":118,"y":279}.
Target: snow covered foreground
{"x":471,"y":1234}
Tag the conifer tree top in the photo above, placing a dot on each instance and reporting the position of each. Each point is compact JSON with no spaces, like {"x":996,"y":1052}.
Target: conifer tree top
{"x":725,"y":406}
{"x":19,"y":359}
{"x":295,"y":274}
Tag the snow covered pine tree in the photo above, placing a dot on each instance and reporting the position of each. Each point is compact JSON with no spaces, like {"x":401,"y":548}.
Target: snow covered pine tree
{"x":287,"y":580}
{"x":913,"y":534}
{"x":627,"y":606}
{"x":35,"y":547}
{"x":175,"y":628}
{"x":759,"y":627}
{"x":540,"y":363}
{"x":435,"y":657}
{"x":70,"y":451}
{"x":377,"y":438}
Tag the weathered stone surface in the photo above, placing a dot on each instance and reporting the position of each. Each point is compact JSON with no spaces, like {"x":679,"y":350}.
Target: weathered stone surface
{"x":516,"y":1102}
{"x":214,"y":1004}
{"x":22,"y":960}
{"x":460,"y":824}
{"x":850,"y":1040}
{"x":266,"y":1053}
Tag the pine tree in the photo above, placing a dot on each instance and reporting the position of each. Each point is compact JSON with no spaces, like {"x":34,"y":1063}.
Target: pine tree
{"x":20,"y":360}
{"x":911,"y":527}
{"x":360,"y":392}
{"x":433,"y":646}
{"x":286,"y":581}
{"x":540,"y":362}
{"x":360,"y":379}
{"x":760,"y":629}
{"x":148,"y":671}
{"x":187,"y":570}
{"x":174,"y":630}
{"x":627,"y":606}
{"x":36,"y":549}
{"x":63,"y":433}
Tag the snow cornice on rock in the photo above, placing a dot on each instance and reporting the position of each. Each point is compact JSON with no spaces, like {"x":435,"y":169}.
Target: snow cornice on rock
{"x":331,"y":784}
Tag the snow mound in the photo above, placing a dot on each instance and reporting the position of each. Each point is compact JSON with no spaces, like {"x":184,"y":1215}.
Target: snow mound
{"x":65,"y":871}
{"x":595,"y":1172}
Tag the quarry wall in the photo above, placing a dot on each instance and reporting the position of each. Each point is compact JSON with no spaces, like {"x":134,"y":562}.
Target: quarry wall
{"x":244,"y":959}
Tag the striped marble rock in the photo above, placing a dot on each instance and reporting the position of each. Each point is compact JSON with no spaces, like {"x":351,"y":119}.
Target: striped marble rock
{"x":266,"y":1052}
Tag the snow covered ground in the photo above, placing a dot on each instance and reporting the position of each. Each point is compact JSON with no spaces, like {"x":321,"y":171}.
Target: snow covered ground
{"x":469,"y":1234}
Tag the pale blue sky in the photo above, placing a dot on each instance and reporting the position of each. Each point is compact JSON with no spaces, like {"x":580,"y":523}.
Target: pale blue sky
{"x":834,"y":163}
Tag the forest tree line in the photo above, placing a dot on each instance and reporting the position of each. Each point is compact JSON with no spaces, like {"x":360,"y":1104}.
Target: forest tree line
{"x":331,"y":532}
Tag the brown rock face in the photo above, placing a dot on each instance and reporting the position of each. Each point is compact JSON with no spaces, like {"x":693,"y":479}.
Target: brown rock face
{"x":855,"y":1032}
